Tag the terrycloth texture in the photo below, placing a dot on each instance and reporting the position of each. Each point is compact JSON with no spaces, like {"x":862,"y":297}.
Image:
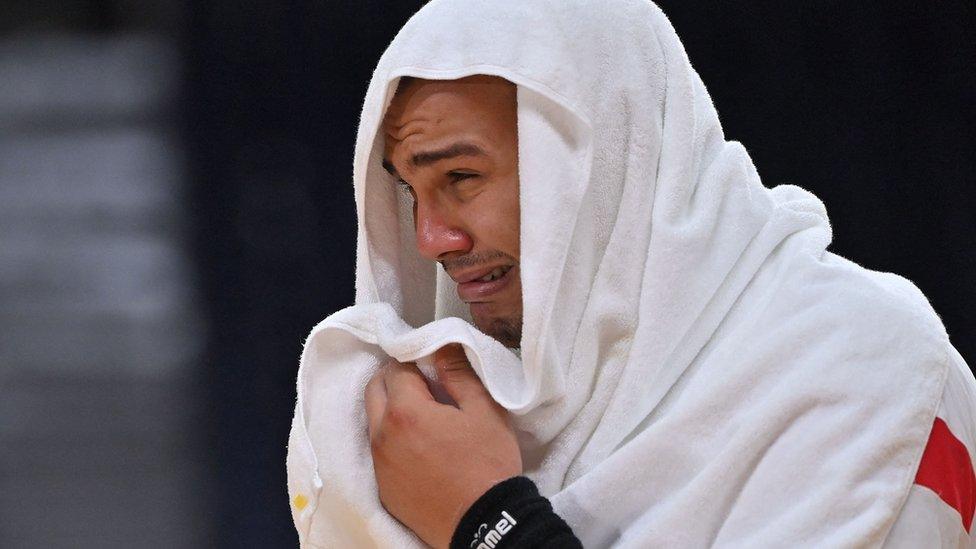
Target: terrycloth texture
{"x":695,"y":368}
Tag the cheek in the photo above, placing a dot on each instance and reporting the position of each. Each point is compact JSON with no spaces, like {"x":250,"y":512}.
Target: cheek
{"x":495,"y":223}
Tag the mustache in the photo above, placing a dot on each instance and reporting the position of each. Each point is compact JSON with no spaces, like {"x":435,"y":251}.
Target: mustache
{"x":472,"y":259}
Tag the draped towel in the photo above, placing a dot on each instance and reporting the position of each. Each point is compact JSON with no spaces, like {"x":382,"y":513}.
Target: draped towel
{"x":695,"y":367}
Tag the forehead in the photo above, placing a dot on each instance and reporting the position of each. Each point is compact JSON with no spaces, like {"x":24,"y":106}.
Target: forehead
{"x":423,"y":109}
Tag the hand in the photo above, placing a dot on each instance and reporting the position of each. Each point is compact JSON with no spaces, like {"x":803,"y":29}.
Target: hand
{"x":432,"y":460}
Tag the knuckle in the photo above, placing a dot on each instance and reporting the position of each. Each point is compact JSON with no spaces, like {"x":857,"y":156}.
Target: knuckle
{"x":399,"y":417}
{"x":449,"y":363}
{"x":452,"y":364}
{"x":452,"y":377}
{"x":461,"y":376}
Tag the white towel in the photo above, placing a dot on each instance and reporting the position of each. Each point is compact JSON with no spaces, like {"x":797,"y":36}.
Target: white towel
{"x":695,"y":368}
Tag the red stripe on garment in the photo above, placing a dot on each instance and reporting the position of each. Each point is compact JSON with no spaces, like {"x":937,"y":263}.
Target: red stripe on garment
{"x":947,"y":470}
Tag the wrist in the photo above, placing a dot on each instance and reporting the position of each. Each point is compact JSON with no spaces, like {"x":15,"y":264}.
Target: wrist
{"x":489,"y":513}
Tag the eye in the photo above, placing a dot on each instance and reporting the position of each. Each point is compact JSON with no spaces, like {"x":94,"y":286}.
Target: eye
{"x":461,"y":176}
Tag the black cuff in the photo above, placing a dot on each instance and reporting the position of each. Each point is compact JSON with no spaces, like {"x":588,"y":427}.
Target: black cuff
{"x":512,"y":515}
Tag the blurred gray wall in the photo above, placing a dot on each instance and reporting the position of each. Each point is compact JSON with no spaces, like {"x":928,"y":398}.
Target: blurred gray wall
{"x":98,"y":328}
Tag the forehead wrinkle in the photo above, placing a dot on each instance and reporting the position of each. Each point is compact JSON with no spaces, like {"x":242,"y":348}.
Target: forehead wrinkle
{"x":399,"y":132}
{"x":393,"y":141}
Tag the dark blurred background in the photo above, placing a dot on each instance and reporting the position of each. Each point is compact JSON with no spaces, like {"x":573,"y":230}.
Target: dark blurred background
{"x":176,"y":213}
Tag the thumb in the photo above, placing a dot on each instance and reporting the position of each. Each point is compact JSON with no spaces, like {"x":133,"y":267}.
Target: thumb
{"x":455,"y":374}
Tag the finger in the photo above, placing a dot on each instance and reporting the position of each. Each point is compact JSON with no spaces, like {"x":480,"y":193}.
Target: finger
{"x":405,"y":384}
{"x":458,"y":378}
{"x":375,"y":395}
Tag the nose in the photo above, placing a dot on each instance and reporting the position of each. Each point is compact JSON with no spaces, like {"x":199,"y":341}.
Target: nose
{"x":438,"y":234}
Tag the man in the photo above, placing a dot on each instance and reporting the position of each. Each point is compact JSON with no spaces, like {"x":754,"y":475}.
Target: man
{"x":673,"y":358}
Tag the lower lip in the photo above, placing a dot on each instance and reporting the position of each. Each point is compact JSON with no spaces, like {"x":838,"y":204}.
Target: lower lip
{"x":476,"y":291}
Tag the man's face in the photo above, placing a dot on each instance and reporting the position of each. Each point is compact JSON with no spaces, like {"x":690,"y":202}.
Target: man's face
{"x":453,"y":144}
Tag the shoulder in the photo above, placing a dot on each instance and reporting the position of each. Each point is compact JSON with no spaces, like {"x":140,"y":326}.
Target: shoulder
{"x":860,"y":313}
{"x":884,"y":301}
{"x":900,"y":355}
{"x":869,"y":338}
{"x":941,"y":502}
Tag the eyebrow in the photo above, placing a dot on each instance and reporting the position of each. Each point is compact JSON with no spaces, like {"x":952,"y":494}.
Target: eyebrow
{"x":426,"y":158}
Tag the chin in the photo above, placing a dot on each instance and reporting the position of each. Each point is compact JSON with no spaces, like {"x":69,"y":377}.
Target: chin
{"x":508,"y":331}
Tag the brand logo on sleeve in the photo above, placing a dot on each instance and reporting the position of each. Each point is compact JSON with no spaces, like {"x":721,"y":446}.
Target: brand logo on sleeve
{"x":488,"y":539}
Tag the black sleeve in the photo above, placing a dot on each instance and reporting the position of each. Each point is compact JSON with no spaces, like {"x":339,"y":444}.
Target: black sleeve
{"x":512,"y":515}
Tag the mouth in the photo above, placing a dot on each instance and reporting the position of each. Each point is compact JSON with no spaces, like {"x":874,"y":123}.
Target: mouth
{"x":494,"y":274}
{"x":480,"y":286}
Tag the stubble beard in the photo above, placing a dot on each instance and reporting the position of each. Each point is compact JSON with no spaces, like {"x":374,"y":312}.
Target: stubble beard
{"x":507,"y":331}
